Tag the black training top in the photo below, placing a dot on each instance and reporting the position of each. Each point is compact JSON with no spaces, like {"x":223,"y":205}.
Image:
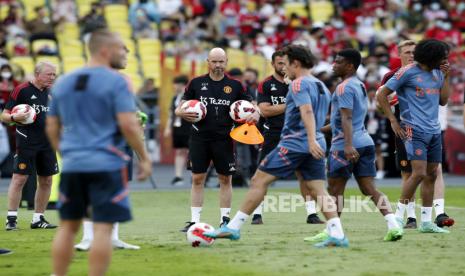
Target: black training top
{"x":387,"y":77}
{"x":31,"y":136}
{"x":217,"y":96}
{"x":274,"y":92}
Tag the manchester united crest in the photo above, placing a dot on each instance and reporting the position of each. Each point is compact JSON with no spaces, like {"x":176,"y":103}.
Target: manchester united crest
{"x":227,"y":89}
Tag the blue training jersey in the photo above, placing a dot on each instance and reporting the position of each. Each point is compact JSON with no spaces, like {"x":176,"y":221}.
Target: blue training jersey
{"x":418,"y":92}
{"x":304,"y":90}
{"x":350,"y":94}
{"x":86,"y":101}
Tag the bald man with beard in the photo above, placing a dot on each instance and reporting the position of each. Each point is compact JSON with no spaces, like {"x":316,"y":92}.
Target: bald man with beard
{"x":209,"y":139}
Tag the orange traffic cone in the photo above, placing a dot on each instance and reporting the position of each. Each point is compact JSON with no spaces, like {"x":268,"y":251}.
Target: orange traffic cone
{"x":247,"y":134}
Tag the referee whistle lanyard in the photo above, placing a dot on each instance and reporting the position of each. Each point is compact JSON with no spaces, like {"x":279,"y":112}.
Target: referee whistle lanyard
{"x":247,"y":134}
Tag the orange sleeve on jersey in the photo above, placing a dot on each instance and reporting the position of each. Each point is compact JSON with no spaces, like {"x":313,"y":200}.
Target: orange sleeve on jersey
{"x":402,"y":70}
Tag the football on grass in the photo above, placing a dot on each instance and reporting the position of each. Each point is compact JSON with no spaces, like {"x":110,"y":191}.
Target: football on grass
{"x":195,"y":235}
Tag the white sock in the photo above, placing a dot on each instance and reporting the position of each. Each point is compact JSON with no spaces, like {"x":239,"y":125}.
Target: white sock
{"x":426,"y":214}
{"x":88,"y":230}
{"x":335,"y":228}
{"x":259,"y":209}
{"x":438,"y":206}
{"x":36,"y":217}
{"x":225,"y":212}
{"x":238,"y":220}
{"x":12,"y":213}
{"x":115,"y":231}
{"x":310,"y":206}
{"x":411,"y":210}
{"x":195,"y":214}
{"x":400,"y":210}
{"x":391,"y":221}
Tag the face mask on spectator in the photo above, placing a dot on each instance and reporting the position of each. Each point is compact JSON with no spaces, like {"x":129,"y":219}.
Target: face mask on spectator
{"x":417,"y":7}
{"x":6,"y":74}
{"x":261,"y":40}
{"x":235,"y":44}
{"x":435,"y":6}
{"x":446,"y":26}
{"x":268,"y":30}
{"x":338,"y":24}
{"x":461,"y":7}
{"x":371,"y":79}
{"x":19,"y":40}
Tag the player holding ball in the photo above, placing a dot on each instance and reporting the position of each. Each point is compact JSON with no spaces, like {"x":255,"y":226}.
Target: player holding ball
{"x":209,"y":137}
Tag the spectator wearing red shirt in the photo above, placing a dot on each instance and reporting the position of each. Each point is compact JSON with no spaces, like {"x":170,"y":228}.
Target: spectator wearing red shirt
{"x":454,"y":36}
{"x":457,"y":15}
{"x":7,"y":83}
{"x":229,"y":10}
{"x":370,"y":6}
{"x":248,"y":21}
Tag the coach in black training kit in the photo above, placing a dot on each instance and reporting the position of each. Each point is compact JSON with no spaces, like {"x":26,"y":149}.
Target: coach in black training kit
{"x":33,"y":151}
{"x":209,"y":138}
{"x":271,"y":99}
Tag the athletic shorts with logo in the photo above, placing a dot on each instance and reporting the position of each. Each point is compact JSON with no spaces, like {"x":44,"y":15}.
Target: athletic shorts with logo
{"x":282,"y":163}
{"x":30,"y":161}
{"x":402,"y":162}
{"x":220,"y":152}
{"x":423,"y":146}
{"x":338,"y":166}
{"x":100,"y":196}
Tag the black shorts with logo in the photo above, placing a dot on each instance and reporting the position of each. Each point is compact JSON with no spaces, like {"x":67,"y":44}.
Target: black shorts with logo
{"x":30,"y":161}
{"x":221,"y":152}
{"x":100,"y":196}
{"x":402,"y":162}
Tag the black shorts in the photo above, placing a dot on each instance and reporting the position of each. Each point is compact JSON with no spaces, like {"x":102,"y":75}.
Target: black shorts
{"x":180,"y":141}
{"x":28,"y":161}
{"x":402,"y":162}
{"x":221,"y":152}
{"x":270,"y":143}
{"x":377,"y":139}
{"x":100,"y":196}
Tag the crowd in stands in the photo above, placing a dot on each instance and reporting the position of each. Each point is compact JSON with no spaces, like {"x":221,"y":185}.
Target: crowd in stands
{"x":189,"y":28}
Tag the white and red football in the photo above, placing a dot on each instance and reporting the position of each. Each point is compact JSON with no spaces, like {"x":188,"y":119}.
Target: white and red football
{"x":195,"y":235}
{"x":240,"y":109}
{"x":195,"y":106}
{"x":25,"y":108}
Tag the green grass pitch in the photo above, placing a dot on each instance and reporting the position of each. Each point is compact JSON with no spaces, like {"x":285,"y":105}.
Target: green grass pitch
{"x":275,"y":248}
